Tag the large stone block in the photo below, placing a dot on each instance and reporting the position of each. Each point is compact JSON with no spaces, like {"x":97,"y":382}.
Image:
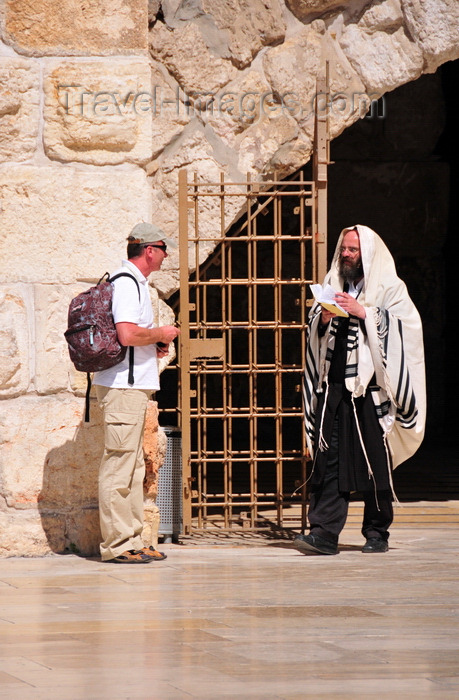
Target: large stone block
{"x":169,"y":113}
{"x":203,"y":157}
{"x":70,"y":27}
{"x":14,"y":340}
{"x":53,"y":369}
{"x":434,"y":25}
{"x":48,"y":456}
{"x":249,"y":24}
{"x":262,"y":142}
{"x":73,"y":223}
{"x":97,"y":114}
{"x":242,"y":103}
{"x":383,"y":60}
{"x":154,"y":446}
{"x":386,"y":15}
{"x":187,"y":57}
{"x":306,"y":9}
{"x":30,"y":533}
{"x":293,"y":68}
{"x":19,"y":108}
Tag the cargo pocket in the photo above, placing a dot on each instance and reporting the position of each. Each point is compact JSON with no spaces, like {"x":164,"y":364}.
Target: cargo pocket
{"x":121,"y":432}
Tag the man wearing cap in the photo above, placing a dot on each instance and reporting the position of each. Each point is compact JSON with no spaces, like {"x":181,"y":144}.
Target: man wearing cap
{"x":124,"y":403}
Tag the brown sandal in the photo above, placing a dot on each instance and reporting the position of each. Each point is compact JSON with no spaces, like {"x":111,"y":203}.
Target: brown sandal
{"x":153,"y":554}
{"x":132,"y":556}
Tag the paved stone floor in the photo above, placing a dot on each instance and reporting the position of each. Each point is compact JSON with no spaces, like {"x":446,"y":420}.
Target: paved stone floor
{"x":243,"y":619}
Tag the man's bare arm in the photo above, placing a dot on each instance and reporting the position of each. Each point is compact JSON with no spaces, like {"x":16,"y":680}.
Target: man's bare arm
{"x":132,"y":334}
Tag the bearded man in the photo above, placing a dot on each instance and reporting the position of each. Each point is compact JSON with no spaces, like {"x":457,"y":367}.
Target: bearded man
{"x":364,"y":392}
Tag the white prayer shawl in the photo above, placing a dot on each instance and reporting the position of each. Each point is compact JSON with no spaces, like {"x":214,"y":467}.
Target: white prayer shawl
{"x":391,"y":349}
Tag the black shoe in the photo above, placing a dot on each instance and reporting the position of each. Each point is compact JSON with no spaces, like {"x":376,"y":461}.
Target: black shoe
{"x":315,"y":543}
{"x":375,"y":544}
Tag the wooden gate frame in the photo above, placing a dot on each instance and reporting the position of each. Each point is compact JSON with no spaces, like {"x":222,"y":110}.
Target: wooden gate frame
{"x":211,"y":347}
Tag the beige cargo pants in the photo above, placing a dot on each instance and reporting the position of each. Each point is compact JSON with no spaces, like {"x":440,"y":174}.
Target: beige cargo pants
{"x":122,"y":469}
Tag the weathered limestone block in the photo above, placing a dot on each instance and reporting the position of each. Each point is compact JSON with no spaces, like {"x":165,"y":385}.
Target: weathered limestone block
{"x":169,"y":114}
{"x":30,"y":533}
{"x":291,"y":156}
{"x":261,"y":142}
{"x":19,"y":108}
{"x":383,"y":61}
{"x":434,"y":25}
{"x":206,"y":157}
{"x":239,"y":105}
{"x":71,"y":27}
{"x":167,"y":280}
{"x":53,"y":369}
{"x":38,"y":532}
{"x":151,"y":523}
{"x":250,"y":25}
{"x":74,"y":223}
{"x":56,"y":465}
{"x":81,"y":534}
{"x":154,"y":447}
{"x":293,"y":68}
{"x":153,"y":9}
{"x":382,"y":16}
{"x":185,"y":54}
{"x":96,"y":113}
{"x":305,"y":9}
{"x":14,"y":341}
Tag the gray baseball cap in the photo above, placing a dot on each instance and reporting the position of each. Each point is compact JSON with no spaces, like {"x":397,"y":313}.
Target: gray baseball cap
{"x":150,"y":233}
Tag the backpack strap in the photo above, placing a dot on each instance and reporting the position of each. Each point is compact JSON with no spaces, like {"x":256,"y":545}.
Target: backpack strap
{"x":131,"y":349}
{"x":86,"y":403}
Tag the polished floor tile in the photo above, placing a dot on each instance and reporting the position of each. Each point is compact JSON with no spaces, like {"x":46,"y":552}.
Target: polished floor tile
{"x":244,"y":619}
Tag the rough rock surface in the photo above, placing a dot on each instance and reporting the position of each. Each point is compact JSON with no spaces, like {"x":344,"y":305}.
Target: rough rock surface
{"x":74,"y":28}
{"x":74,"y":223}
{"x":105,"y":118}
{"x":19,"y":109}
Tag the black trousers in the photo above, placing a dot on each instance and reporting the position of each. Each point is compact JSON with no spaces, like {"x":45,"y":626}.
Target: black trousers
{"x":328,"y":506}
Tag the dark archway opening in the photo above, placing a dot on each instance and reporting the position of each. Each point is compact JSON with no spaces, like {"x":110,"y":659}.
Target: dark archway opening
{"x":398,"y":173}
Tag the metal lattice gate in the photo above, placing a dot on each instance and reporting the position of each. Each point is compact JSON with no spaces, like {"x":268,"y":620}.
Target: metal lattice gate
{"x":243,"y":318}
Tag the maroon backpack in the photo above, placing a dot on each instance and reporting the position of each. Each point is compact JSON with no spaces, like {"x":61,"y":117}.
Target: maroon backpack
{"x":91,"y":333}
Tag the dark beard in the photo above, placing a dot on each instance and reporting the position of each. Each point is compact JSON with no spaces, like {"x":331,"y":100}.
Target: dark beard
{"x":351,"y":269}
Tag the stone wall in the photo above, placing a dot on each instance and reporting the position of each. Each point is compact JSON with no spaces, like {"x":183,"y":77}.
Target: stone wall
{"x":101,"y":104}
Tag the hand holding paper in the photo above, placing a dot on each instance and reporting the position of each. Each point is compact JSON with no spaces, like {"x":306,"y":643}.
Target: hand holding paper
{"x":325,"y":296}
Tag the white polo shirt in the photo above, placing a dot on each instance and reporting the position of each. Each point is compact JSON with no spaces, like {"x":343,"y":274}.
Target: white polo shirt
{"x":127,"y":308}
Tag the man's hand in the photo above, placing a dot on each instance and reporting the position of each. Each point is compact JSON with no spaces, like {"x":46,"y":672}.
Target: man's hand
{"x":326,"y":316}
{"x":162,"y":349}
{"x":350,"y":305}
{"x":168,"y":333}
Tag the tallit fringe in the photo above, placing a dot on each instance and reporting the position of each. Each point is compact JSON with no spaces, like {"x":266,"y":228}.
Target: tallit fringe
{"x":310,"y":475}
{"x":370,"y":470}
{"x":381,"y":336}
{"x":389,"y":471}
{"x":322,"y":443}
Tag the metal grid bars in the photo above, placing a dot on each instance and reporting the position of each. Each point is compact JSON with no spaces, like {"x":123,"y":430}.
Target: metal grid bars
{"x":243,"y":317}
